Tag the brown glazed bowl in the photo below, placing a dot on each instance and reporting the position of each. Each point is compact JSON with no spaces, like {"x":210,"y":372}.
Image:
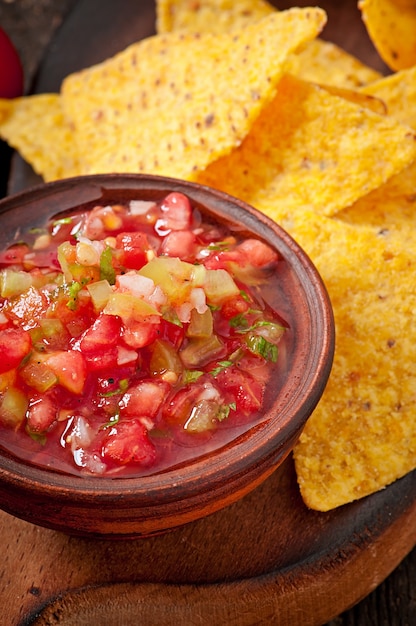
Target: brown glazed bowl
{"x":134,"y":507}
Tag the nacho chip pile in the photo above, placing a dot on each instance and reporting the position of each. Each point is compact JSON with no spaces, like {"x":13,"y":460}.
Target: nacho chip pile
{"x":250,"y":100}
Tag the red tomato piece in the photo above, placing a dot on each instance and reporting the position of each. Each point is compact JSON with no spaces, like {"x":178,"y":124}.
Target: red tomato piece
{"x":11,"y":71}
{"x":173,"y":333}
{"x":42,"y":413}
{"x":134,"y":246}
{"x":144,"y":399}
{"x":250,"y":252}
{"x":104,"y":333}
{"x":70,"y":369}
{"x":245,"y":391}
{"x":180,"y":243}
{"x":257,"y":252}
{"x":15,"y":344}
{"x":140,"y":334}
{"x":176,"y":213}
{"x":179,"y":408}
{"x":128,"y":442}
{"x":14,"y":255}
{"x":106,"y":359}
{"x":234,"y":306}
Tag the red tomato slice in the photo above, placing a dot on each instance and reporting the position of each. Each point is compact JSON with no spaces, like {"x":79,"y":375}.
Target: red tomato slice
{"x":15,"y":344}
{"x":69,"y":368}
{"x":128,"y":442}
{"x":11,"y":71}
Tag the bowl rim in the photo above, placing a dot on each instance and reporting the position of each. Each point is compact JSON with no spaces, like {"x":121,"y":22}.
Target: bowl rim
{"x":259,"y":442}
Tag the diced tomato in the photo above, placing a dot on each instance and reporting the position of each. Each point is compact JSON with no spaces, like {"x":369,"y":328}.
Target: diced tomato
{"x":14,"y":255}
{"x":42,"y":414}
{"x":28,"y":308}
{"x":176,"y":213}
{"x":250,"y":252}
{"x":15,"y":345}
{"x":104,"y":333}
{"x":70,"y":369}
{"x":234,"y":306}
{"x":257,"y":252}
{"x":173,"y":333}
{"x":144,"y":398}
{"x":128,"y":442}
{"x":180,"y":243}
{"x":179,"y":407}
{"x":137,"y":334}
{"x":134,"y":247}
{"x":245,"y":391}
{"x":103,"y":360}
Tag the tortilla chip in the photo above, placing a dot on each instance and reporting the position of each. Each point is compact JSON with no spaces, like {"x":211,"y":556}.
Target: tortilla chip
{"x":391,"y":208}
{"x":398,"y":91}
{"x":36,"y":127}
{"x":325,"y":63}
{"x":210,"y":15}
{"x":391,"y":25}
{"x":362,"y":435}
{"x":320,"y":61}
{"x":374,"y":103}
{"x":310,"y":149}
{"x":171,"y":104}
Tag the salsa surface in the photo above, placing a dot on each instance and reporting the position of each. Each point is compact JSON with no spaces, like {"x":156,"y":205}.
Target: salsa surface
{"x":134,"y":337}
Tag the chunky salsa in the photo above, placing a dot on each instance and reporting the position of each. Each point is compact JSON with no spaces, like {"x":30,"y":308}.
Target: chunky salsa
{"x":132,"y":336}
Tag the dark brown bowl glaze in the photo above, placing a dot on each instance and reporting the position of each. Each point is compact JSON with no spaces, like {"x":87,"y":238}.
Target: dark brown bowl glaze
{"x":134,"y":507}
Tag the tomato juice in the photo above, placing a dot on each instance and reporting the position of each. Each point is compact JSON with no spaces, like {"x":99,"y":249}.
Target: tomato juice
{"x":134,"y":337}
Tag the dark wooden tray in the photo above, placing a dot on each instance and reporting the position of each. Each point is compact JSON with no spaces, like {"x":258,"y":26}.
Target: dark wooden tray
{"x":264,"y":560}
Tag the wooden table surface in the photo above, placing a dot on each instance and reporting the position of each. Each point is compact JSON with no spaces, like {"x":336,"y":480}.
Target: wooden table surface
{"x":31,"y":24}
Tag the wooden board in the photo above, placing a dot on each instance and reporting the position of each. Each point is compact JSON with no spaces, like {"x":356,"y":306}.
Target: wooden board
{"x":264,"y":560}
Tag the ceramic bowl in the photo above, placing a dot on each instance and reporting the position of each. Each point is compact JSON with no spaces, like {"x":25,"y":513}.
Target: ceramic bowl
{"x":135,"y":507}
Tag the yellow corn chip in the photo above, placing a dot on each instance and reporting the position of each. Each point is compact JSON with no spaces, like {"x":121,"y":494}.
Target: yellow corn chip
{"x":398,"y":91}
{"x":36,"y":127}
{"x":324,"y":62}
{"x":320,"y":61}
{"x":362,"y":435}
{"x":374,"y":103}
{"x":391,"y":208}
{"x":210,"y":15}
{"x":311,"y":149}
{"x":173,"y":103}
{"x":391,"y":25}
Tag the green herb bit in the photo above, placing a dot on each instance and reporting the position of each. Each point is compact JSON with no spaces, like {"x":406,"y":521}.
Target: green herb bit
{"x":224,"y":411}
{"x":73,"y":289}
{"x":122,"y":387}
{"x":170,"y":315}
{"x":114,"y":419}
{"x":38,"y":437}
{"x":239,"y":321}
{"x":218,"y":246}
{"x":107,"y":271}
{"x":62,"y":220}
{"x":245,"y":295}
{"x":261,"y":347}
{"x":190,"y":376}
{"x":222,"y":365}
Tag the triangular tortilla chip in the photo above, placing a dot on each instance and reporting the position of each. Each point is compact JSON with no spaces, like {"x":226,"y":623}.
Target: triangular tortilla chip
{"x":391,"y":25}
{"x":362,"y":435}
{"x":36,"y":127}
{"x":215,"y":15}
{"x":326,"y":63}
{"x":320,"y":61}
{"x":398,"y":91}
{"x":171,"y":104}
{"x":311,"y":149}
